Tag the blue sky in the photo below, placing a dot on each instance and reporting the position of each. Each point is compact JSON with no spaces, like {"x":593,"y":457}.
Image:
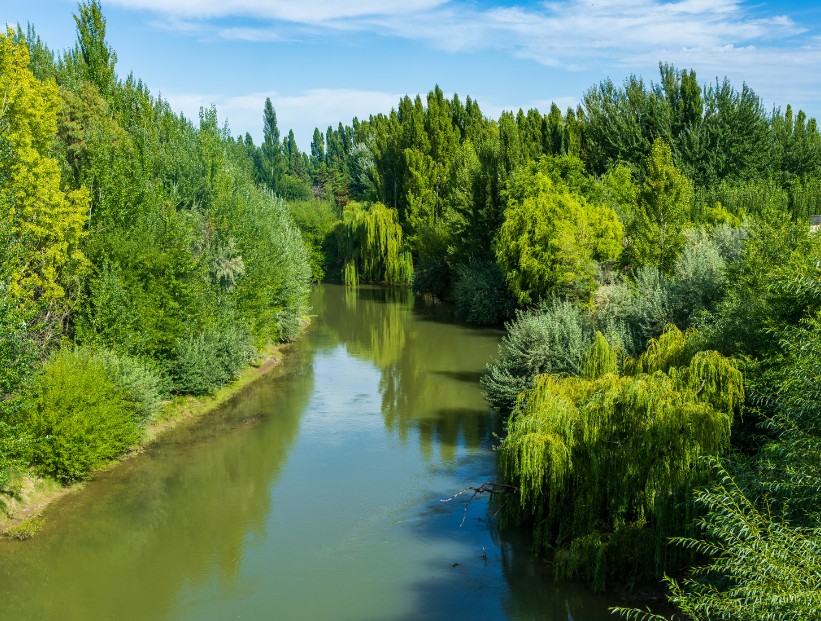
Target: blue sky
{"x":324,"y":61}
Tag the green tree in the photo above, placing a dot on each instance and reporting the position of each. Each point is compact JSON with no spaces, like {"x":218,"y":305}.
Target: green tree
{"x":552,"y":238}
{"x":759,"y":566}
{"x":271,"y":158}
{"x":97,"y":56}
{"x":371,"y":246}
{"x":44,"y":261}
{"x":604,"y":464}
{"x":656,"y":231}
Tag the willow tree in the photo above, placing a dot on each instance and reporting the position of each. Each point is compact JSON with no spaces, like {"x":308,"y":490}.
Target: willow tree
{"x":605,"y":462}
{"x":371,"y":246}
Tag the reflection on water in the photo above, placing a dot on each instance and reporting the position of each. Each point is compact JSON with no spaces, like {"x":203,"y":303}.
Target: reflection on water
{"x":429,"y":365}
{"x":180,"y":513}
{"x":314,"y":495}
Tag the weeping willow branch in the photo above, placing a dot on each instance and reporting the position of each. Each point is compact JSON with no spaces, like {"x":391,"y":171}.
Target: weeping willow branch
{"x":372,"y":247}
{"x":605,"y":462}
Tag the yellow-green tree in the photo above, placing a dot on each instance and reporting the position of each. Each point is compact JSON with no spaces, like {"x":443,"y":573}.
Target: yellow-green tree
{"x":605,"y":463}
{"x":44,"y":263}
{"x":552,"y":238}
{"x":371,"y":246}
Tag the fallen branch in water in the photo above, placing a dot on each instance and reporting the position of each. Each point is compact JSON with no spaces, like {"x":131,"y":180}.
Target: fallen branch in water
{"x":488,"y":487}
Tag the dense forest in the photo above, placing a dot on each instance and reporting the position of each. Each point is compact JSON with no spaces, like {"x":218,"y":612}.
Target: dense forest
{"x":650,"y":253}
{"x":140,"y":257}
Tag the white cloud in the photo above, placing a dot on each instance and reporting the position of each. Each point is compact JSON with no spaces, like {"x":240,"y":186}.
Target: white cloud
{"x":308,"y":12}
{"x":772,"y":51}
{"x":571,"y":34}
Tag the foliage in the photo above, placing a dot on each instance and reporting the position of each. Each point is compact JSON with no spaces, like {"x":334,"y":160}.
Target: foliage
{"x":604,"y":464}
{"x":480,"y":294}
{"x":655,"y":229}
{"x":640,"y":307}
{"x":141,"y":385}
{"x":766,"y":287}
{"x":43,"y":260}
{"x":371,"y":246}
{"x":209,"y":360}
{"x":316,"y":221}
{"x":552,"y":238}
{"x":79,"y":416}
{"x":432,"y":277}
{"x":766,"y":568}
{"x":553,"y":338}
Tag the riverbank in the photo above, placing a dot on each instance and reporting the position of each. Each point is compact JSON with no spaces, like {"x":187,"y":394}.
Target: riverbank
{"x":22,"y":515}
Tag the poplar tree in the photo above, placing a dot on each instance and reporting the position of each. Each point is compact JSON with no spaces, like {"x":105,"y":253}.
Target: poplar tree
{"x":271,"y":146}
{"x":98,"y":57}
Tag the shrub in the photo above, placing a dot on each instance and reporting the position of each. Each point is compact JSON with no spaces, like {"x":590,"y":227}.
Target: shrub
{"x":208,"y":360}
{"x":78,"y":416}
{"x":432,"y":277}
{"x":141,"y":383}
{"x":481,"y":295}
{"x":553,"y":338}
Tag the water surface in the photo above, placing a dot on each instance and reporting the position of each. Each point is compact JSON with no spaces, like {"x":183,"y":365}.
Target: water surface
{"x":316,"y":494}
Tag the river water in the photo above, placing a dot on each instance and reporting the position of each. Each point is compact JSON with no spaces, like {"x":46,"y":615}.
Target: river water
{"x":316,"y":495}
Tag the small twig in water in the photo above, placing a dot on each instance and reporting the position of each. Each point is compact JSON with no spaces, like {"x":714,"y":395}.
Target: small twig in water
{"x":488,"y":487}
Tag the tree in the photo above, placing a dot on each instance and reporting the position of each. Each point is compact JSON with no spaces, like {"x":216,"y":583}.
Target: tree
{"x":656,"y":232}
{"x":604,"y":464}
{"x":43,"y":260}
{"x":97,"y":56}
{"x":759,"y":566}
{"x":371,"y":246}
{"x":552,"y":238}
{"x":272,"y":164}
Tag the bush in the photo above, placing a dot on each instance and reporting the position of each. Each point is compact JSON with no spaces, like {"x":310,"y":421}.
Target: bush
{"x":553,"y":338}
{"x":431,"y":277}
{"x":699,"y":277}
{"x":142,"y":385}
{"x":209,"y":360}
{"x":481,"y":295}
{"x":79,"y":417}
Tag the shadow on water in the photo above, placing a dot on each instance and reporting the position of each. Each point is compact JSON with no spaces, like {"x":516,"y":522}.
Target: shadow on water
{"x":492,"y":575}
{"x":471,"y":377}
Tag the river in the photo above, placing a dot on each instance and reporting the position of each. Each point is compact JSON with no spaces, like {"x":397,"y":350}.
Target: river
{"x":314,"y":495}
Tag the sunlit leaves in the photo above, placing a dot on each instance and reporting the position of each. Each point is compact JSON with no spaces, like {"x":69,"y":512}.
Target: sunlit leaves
{"x":552,"y":238}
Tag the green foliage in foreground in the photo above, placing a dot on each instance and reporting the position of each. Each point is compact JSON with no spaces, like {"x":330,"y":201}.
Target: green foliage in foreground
{"x":79,"y":416}
{"x":760,"y":567}
{"x":605,"y":463}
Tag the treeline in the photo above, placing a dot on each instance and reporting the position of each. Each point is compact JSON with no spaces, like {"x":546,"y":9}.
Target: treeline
{"x":652,"y":249}
{"x":140,"y":260}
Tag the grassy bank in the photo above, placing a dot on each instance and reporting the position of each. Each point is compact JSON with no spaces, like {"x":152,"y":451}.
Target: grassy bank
{"x":21,"y":515}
